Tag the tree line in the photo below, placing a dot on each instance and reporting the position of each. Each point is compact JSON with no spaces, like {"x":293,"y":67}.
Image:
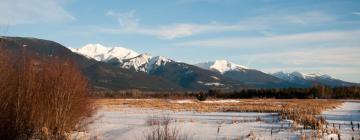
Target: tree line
{"x":316,"y":92}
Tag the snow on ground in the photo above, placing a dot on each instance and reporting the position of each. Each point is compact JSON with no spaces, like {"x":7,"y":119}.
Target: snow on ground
{"x":344,"y":115}
{"x":349,"y":111}
{"x":112,"y":123}
{"x":221,"y":101}
{"x":207,"y":101}
{"x":182,"y":101}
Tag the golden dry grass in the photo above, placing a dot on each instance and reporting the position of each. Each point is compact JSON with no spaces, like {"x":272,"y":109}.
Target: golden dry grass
{"x":302,"y":111}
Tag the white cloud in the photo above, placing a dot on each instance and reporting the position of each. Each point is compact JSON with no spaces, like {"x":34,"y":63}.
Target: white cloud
{"x":175,"y":30}
{"x":130,"y":24}
{"x":308,"y":39}
{"x":315,"y":57}
{"x":182,"y":29}
{"x":14,"y":12}
{"x":356,"y":13}
{"x":195,"y":1}
{"x":309,"y":18}
{"x":126,"y":20}
{"x":303,"y":18}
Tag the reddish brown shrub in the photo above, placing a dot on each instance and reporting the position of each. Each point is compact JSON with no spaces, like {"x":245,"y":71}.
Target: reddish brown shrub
{"x":43,"y":98}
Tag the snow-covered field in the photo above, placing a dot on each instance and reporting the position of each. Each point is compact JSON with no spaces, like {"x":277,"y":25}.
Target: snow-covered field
{"x":343,"y":117}
{"x":122,"y":123}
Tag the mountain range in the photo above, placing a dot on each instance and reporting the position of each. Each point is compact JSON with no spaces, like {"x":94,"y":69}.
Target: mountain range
{"x":119,"y":68}
{"x":308,"y":80}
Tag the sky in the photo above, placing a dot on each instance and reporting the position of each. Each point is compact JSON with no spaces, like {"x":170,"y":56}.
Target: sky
{"x":269,"y":35}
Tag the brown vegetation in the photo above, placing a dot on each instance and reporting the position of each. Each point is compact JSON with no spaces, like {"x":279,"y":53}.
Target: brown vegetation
{"x":160,"y":128}
{"x":302,"y":111}
{"x":40,"y":98}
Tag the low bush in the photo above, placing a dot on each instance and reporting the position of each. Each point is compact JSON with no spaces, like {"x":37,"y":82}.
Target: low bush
{"x":161,"y":128}
{"x":202,"y":96}
{"x":41,"y":98}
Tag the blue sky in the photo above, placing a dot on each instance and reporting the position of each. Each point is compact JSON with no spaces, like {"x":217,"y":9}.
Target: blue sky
{"x":269,"y":35}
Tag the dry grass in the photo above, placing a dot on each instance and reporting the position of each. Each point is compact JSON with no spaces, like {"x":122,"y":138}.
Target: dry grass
{"x":160,"y":128}
{"x":302,"y":111}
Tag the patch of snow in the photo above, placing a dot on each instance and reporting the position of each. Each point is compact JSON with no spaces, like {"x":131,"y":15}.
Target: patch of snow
{"x":221,"y":101}
{"x":145,"y":62}
{"x":214,"y":77}
{"x":156,"y":62}
{"x":349,"y":111}
{"x":182,"y":101}
{"x":138,"y":63}
{"x":221,"y":66}
{"x":331,"y":136}
{"x":211,"y":84}
{"x":189,"y":72}
{"x":298,"y":75}
{"x":214,"y":84}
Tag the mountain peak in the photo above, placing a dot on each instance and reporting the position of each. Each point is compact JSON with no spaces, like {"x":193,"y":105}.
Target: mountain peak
{"x":308,"y":80}
{"x":144,"y":62}
{"x":221,"y":66}
{"x":102,"y":53}
{"x":296,"y":74}
{"x":157,"y":61}
{"x":145,"y":55}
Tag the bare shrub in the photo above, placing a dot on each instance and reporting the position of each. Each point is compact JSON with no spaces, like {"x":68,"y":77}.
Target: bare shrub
{"x":155,"y":120}
{"x":41,"y":98}
{"x":161,"y":129}
{"x":251,"y":135}
{"x":202,"y":96}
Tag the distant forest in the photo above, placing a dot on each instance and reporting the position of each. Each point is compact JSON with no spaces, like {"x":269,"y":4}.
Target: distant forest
{"x":316,"y":92}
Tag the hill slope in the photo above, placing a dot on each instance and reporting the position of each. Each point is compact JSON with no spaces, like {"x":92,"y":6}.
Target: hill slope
{"x":101,"y":75}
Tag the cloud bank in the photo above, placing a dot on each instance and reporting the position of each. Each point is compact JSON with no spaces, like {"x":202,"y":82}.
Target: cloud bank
{"x":129,"y":24}
{"x":15,"y":12}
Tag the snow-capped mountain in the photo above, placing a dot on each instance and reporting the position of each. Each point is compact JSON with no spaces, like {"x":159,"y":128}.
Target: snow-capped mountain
{"x":221,"y":66}
{"x":102,"y":76}
{"x":308,"y":80}
{"x":144,"y":62}
{"x":121,"y":69}
{"x":175,"y":71}
{"x":126,"y":58}
{"x":298,"y":75}
{"x":185,"y":75}
{"x":244,"y":74}
{"x":102,"y":53}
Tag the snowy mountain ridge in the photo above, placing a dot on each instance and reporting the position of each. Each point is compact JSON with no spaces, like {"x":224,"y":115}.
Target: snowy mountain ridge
{"x":131,"y":60}
{"x":144,"y":62}
{"x":221,"y":66}
{"x":103,"y":53}
{"x":308,"y":80}
{"x":127,"y":58}
{"x":296,"y":75}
